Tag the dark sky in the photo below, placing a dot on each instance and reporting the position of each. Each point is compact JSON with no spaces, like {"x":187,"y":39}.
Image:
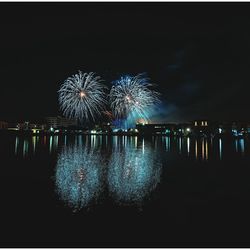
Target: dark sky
{"x":197,"y":54}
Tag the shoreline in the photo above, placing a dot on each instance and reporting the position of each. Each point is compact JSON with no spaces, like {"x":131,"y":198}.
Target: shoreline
{"x":132,"y":134}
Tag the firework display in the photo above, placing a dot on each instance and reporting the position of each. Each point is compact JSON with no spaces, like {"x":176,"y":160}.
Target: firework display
{"x":131,"y":98}
{"x":82,"y":97}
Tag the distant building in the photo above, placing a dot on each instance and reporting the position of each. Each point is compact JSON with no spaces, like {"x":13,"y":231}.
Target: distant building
{"x":221,"y":128}
{"x":203,"y":127}
{"x":23,"y":125}
{"x":28,"y":126}
{"x":3,"y":125}
{"x":200,"y":123}
{"x":156,"y":128}
{"x":59,"y":122}
{"x":36,"y":126}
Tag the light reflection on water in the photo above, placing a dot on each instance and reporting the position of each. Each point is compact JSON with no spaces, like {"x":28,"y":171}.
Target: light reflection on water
{"x":194,"y":148}
{"x":34,"y":143}
{"x":78,"y":175}
{"x":25,"y":148}
{"x":16,"y":144}
{"x":133,"y":172}
{"x":180,"y":145}
{"x":220,"y":148}
{"x":242,"y":146}
{"x":188,"y":145}
{"x":129,"y":167}
{"x":50,"y":143}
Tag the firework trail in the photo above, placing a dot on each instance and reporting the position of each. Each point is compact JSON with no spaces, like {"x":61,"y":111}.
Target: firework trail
{"x":131,"y":98}
{"x":82,"y":97}
{"x":108,"y":115}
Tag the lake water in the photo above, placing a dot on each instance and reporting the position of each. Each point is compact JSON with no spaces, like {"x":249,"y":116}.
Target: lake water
{"x":124,"y":191}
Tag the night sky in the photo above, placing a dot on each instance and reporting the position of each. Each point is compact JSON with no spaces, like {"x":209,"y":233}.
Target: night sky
{"x":197,"y":54}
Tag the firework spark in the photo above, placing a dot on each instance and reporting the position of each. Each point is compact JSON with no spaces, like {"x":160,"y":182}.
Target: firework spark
{"x":82,"y":97}
{"x":131,"y":97}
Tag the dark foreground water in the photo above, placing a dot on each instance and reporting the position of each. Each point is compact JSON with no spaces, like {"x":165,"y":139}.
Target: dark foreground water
{"x":124,"y":191}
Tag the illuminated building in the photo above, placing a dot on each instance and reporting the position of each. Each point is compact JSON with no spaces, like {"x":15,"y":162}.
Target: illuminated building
{"x":59,"y":122}
{"x":200,"y":123}
{"x":161,"y":129}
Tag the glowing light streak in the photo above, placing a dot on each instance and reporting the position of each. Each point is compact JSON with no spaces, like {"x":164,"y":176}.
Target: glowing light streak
{"x":167,"y":143}
{"x":180,"y":144}
{"x":242,"y":146}
{"x":34,"y":143}
{"x":236,"y":145}
{"x":25,"y":148}
{"x":220,"y":148}
{"x":188,"y":145}
{"x":16,"y":145}
{"x":55,"y":142}
{"x":206,"y":149}
{"x":196,"y":149}
{"x":202,"y":149}
{"x":50,"y":143}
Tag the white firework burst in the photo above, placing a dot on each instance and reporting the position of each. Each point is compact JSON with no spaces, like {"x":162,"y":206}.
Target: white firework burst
{"x":82,"y":97}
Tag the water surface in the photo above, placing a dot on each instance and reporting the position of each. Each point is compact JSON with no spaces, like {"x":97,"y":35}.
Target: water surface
{"x":124,"y":191}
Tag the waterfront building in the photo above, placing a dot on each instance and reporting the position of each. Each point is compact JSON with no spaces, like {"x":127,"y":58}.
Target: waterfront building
{"x":60,"y":122}
{"x":159,"y":129}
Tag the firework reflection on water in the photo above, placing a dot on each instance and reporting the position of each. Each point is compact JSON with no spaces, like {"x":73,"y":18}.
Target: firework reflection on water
{"x":78,"y":175}
{"x":133,"y":173}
